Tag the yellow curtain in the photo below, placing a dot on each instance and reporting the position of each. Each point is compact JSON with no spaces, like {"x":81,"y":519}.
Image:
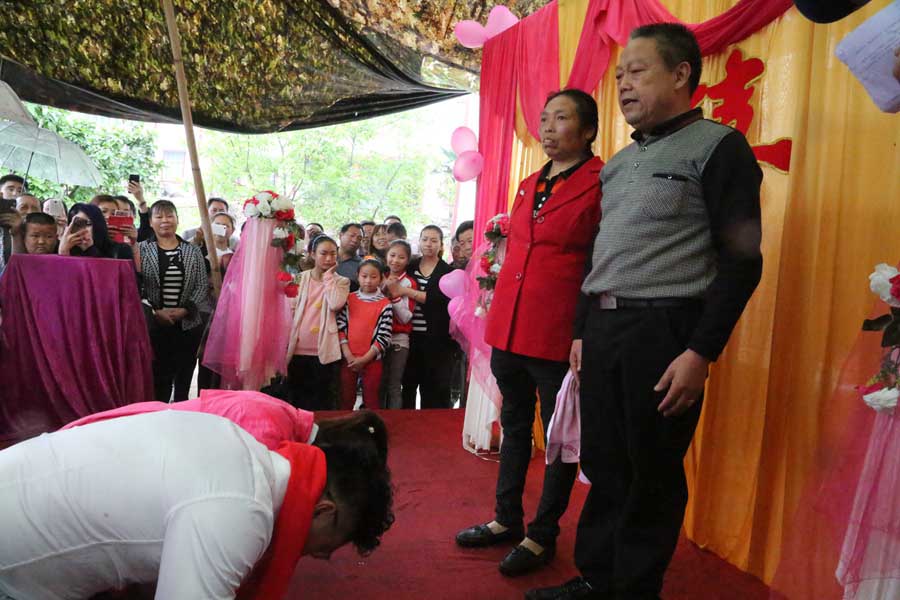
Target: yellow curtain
{"x":826,"y":223}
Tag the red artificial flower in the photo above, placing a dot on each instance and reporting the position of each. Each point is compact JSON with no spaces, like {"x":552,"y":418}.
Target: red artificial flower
{"x":290,"y":241}
{"x":868,"y":389}
{"x":285,"y":215}
{"x":291,"y":290}
{"x":485,"y":263}
{"x":251,"y":201}
{"x":503,"y":225}
{"x":271,"y":193}
{"x":285,"y":277}
{"x":895,"y":286}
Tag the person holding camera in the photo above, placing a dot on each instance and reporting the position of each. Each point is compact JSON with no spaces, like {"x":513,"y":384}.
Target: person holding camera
{"x":88,"y":235}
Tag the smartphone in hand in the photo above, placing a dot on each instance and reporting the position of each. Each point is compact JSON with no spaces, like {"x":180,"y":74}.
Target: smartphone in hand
{"x":219,"y":229}
{"x":79,"y":223}
{"x":117,"y":221}
{"x":134,"y":178}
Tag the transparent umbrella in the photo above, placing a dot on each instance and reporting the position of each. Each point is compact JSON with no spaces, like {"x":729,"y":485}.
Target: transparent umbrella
{"x":32,"y":150}
{"x":11,"y":108}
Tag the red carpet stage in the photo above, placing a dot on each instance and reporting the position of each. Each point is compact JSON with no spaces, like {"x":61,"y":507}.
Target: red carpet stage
{"x":441,"y":488}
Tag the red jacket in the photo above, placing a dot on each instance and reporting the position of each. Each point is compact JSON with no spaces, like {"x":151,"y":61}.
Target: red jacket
{"x":533,"y":309}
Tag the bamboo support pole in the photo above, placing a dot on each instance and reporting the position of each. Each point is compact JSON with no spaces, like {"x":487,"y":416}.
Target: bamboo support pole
{"x":185,"y":101}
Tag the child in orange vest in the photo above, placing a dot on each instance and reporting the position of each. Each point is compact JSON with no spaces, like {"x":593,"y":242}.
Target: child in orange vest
{"x":364,"y":328}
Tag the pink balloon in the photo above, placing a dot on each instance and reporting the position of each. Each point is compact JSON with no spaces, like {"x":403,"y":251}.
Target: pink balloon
{"x":470,"y":34}
{"x":453,"y":284}
{"x":468,"y":165}
{"x":463,"y":140}
{"x":454,"y":305}
{"x":500,"y":19}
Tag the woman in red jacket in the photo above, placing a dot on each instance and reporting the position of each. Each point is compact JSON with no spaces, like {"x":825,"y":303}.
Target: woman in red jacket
{"x":553,"y":222}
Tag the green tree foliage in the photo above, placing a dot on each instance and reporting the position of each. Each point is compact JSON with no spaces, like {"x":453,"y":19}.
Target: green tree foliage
{"x":360,"y":170}
{"x":118,"y":149}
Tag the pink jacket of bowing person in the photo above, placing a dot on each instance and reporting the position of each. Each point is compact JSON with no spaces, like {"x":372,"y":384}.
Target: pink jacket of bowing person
{"x":268,"y":419}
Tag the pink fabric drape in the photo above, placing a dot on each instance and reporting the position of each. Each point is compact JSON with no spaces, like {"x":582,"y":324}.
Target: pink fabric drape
{"x":496,"y":124}
{"x":248,"y":338}
{"x":610,"y":21}
{"x":74,"y":342}
{"x":538,"y":63}
{"x":812,"y":547}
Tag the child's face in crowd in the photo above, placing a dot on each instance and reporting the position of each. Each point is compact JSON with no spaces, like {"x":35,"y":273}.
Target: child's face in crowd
{"x":326,"y":256}
{"x":222,"y":219}
{"x":369,"y":278}
{"x":40,"y":239}
{"x":397,"y":260}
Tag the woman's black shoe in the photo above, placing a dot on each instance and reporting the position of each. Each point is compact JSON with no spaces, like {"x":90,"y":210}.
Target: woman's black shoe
{"x":480,"y":536}
{"x":522,"y":560}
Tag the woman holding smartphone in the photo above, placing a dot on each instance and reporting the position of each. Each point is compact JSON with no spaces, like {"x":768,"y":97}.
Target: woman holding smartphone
{"x":88,"y":235}
{"x":176,"y":288}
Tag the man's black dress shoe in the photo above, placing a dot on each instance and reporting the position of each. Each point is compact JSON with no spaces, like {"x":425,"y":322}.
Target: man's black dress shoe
{"x":521,"y":560}
{"x":574,"y":589}
{"x":479,"y":536}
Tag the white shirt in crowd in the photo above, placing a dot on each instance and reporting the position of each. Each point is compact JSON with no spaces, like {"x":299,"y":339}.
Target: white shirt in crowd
{"x":188,"y":498}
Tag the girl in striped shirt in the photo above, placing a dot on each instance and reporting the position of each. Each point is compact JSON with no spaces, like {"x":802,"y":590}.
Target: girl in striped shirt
{"x":364,"y":328}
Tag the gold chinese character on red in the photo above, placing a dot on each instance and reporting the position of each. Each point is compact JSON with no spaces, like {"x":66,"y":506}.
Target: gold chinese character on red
{"x":731,"y":105}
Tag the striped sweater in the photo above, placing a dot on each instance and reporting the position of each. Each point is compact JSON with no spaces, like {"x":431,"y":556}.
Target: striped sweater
{"x":366,"y":321}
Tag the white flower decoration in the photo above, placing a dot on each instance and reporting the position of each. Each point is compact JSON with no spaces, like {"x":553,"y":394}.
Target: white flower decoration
{"x":479,"y":311}
{"x":251,"y":210}
{"x":280,"y":233}
{"x":265,"y":209}
{"x":264,"y":197}
{"x":880,"y":284}
{"x":884,"y":400}
{"x":495,"y":268}
{"x":282,"y":203}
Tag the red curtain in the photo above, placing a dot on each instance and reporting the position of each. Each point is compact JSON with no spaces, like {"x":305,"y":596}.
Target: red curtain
{"x":496,"y":124}
{"x":538,"y":63}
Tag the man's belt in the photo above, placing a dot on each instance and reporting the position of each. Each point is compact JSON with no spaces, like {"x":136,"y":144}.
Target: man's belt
{"x":610,"y":302}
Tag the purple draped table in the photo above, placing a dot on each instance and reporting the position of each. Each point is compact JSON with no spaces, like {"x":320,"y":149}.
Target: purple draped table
{"x":73,"y":342}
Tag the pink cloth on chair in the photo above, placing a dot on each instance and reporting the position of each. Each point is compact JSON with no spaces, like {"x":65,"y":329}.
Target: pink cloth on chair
{"x":73,"y":341}
{"x":268,"y":419}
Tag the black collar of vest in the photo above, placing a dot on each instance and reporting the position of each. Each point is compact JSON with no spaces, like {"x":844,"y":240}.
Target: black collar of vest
{"x":672,"y":125}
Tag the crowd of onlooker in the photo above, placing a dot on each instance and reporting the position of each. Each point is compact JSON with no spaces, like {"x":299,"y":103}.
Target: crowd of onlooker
{"x":369,"y":315}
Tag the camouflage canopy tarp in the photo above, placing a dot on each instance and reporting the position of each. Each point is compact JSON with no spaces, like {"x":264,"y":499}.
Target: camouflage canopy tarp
{"x":252,"y":65}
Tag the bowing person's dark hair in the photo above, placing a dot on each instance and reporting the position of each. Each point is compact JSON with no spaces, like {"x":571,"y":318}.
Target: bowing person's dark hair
{"x":585,"y":108}
{"x":356,"y":450}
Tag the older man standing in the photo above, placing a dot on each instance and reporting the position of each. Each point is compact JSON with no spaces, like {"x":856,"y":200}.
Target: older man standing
{"x":675,"y":261}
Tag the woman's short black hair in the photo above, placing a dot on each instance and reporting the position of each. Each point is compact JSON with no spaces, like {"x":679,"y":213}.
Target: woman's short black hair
{"x":356,"y":448}
{"x":163,"y":206}
{"x":585,"y":108}
{"x":397,"y":229}
{"x":462,"y":228}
